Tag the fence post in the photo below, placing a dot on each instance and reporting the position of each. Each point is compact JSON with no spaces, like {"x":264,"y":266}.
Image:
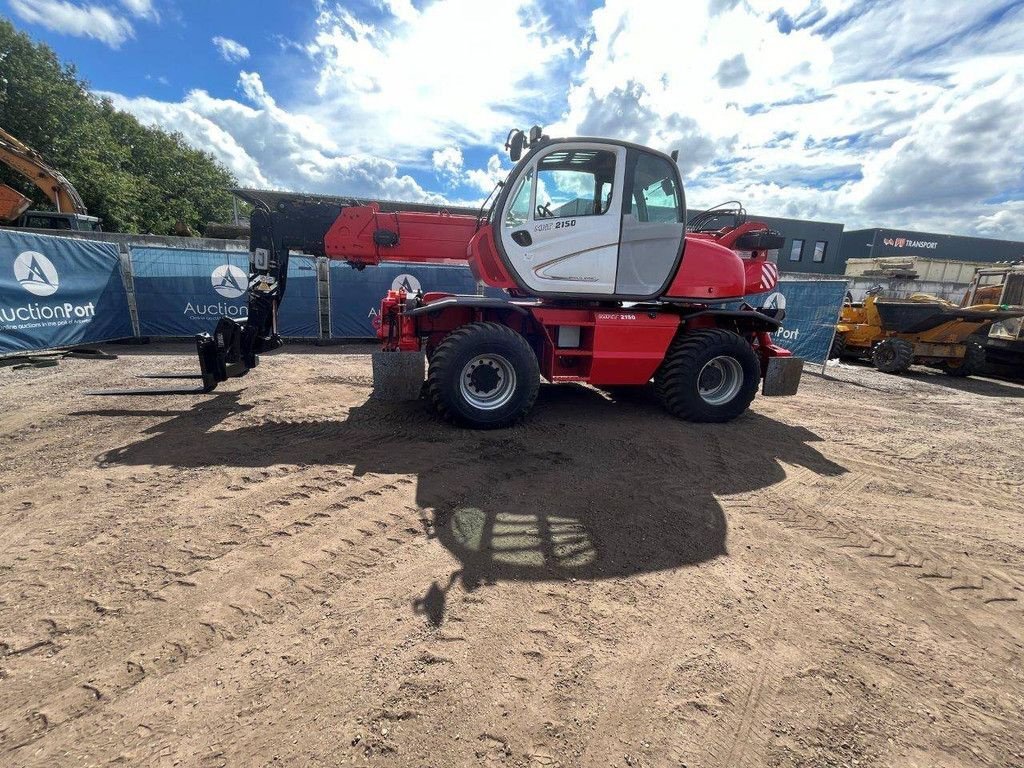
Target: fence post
{"x":128,"y":278}
{"x":323,"y":293}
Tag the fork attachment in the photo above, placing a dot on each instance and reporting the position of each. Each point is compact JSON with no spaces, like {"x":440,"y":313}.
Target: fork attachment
{"x":228,"y":354}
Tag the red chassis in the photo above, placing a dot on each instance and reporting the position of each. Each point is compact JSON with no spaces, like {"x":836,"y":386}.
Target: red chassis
{"x":577,"y":341}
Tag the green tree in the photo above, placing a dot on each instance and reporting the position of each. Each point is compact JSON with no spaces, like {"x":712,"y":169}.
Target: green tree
{"x":136,"y":178}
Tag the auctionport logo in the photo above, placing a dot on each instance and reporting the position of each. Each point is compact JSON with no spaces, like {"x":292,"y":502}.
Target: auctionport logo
{"x":229,"y":281}
{"x":775,"y":301}
{"x":36,"y":273}
{"x":407,"y":282}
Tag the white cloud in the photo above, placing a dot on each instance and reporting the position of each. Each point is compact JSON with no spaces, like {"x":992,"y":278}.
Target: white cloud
{"x":230,"y":50}
{"x":904,"y":115}
{"x":447,"y":163}
{"x":896,"y":112}
{"x":143,"y":9}
{"x":483,"y":180}
{"x":77,"y":20}
{"x":268,"y":147}
{"x":458,"y":71}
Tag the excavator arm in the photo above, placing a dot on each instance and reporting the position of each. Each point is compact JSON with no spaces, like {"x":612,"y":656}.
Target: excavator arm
{"x":23,"y":159}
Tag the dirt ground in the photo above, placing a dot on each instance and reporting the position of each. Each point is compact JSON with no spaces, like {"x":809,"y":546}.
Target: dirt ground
{"x":285,"y":573}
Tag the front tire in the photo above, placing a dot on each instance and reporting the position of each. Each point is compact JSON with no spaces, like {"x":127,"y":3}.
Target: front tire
{"x":709,"y":375}
{"x":893,"y":355}
{"x":838,"y":351}
{"x":484,"y":376}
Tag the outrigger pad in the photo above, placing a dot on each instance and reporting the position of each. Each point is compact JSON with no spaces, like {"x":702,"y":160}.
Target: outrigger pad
{"x":398,"y":376}
{"x":783,"y":376}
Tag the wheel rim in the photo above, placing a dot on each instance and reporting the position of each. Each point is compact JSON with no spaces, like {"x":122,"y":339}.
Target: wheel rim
{"x":886,"y":355}
{"x":487,"y":382}
{"x":720,"y":380}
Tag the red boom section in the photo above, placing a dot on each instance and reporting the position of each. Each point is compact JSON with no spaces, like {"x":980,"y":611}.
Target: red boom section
{"x":363,"y":235}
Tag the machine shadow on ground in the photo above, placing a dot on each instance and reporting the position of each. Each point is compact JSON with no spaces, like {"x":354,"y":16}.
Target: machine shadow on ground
{"x":590,"y":487}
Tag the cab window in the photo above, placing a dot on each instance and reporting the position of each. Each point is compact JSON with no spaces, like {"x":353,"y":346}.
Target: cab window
{"x":519,"y":211}
{"x":575,"y":182}
{"x":655,"y":192}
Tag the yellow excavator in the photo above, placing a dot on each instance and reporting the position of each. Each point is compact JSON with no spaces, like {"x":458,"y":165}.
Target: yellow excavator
{"x":71,"y":213}
{"x":897,"y":333}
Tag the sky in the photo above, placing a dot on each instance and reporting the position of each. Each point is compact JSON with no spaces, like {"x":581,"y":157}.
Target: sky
{"x":873,"y":113}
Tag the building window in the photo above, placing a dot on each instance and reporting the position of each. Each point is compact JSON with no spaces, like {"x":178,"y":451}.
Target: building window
{"x":819,"y":251}
{"x":796,"y":251}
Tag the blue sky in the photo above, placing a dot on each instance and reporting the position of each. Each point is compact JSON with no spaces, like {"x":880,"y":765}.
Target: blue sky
{"x":871,"y":112}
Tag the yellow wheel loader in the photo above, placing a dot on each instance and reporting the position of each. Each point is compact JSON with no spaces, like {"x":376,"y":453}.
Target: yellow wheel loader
{"x":925,"y":330}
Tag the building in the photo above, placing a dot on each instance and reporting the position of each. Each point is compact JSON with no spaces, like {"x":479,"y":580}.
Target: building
{"x":880,"y":243}
{"x":823,"y":248}
{"x":810,"y":247}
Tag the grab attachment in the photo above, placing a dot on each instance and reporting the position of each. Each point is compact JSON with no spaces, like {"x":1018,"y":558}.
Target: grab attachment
{"x":226,"y":355}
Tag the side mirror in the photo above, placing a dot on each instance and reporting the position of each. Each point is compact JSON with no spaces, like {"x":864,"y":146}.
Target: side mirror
{"x":666,"y":187}
{"x":514,"y":143}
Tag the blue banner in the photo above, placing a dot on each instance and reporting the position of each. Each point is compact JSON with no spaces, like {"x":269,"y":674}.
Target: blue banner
{"x":356,"y":295}
{"x":59,"y":292}
{"x":182,"y":292}
{"x":812,"y":311}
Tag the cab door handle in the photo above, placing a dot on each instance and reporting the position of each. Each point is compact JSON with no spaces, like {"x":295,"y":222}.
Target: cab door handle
{"x":522,"y":237}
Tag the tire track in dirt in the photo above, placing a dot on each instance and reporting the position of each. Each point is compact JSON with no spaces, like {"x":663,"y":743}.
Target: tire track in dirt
{"x":807,"y":510}
{"x":229,"y":609}
{"x":758,"y":698}
{"x":258,"y":503}
{"x":189,"y":579}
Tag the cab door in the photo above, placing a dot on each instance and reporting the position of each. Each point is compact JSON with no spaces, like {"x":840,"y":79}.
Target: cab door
{"x":560,"y":227}
{"x":653,"y":228}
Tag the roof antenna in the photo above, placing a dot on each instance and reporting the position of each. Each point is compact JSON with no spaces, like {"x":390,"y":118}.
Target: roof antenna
{"x":675,"y":155}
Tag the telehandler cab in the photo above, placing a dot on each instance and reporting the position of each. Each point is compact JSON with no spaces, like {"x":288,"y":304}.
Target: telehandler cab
{"x":603,"y":284}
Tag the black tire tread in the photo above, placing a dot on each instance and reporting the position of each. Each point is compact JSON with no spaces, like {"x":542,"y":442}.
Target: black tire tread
{"x":904,"y":351}
{"x":442,"y":359}
{"x":838,"y":350}
{"x":972,"y":363}
{"x":682,"y":357}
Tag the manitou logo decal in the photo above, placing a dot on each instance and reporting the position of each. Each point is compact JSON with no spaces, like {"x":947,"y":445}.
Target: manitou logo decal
{"x":229,"y":281}
{"x":407,"y":283}
{"x":36,"y":273}
{"x":902,"y":242}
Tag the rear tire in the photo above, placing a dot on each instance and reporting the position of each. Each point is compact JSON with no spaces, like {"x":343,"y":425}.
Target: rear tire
{"x":893,"y":355}
{"x":484,"y":376}
{"x":709,"y":375}
{"x":971,"y":363}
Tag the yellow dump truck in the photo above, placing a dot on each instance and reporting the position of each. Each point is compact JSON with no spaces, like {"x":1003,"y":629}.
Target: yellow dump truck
{"x":897,"y":333}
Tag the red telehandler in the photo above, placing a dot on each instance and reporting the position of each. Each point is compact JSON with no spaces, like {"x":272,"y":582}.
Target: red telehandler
{"x":604,"y":284}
